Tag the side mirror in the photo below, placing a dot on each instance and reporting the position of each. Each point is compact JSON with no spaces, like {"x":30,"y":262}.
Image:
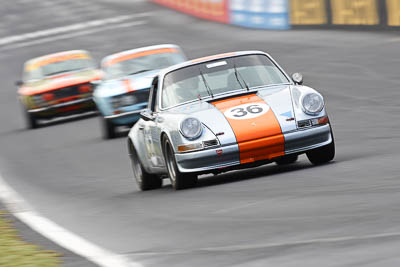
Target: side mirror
{"x":297,"y":78}
{"x":19,"y":83}
{"x":95,"y":83}
{"x":146,"y":115}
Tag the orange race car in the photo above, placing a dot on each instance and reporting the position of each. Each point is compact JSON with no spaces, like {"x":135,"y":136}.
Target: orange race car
{"x":57,"y":85}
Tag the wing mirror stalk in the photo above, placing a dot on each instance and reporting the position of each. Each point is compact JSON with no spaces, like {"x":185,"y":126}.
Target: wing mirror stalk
{"x":19,"y":83}
{"x":297,"y":78}
{"x":95,"y":83}
{"x":146,"y":115}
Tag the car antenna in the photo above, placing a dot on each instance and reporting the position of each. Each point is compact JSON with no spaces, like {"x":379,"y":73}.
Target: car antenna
{"x":206,"y":84}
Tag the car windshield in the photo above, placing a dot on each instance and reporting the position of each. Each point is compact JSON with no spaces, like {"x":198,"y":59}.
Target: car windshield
{"x":219,"y":77}
{"x":41,"y":70}
{"x":143,"y":63}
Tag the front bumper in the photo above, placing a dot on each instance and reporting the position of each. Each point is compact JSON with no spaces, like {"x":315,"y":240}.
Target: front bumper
{"x":303,"y":140}
{"x":219,"y":158}
{"x":66,"y":108}
{"x":125,"y":118}
{"x":209,"y":159}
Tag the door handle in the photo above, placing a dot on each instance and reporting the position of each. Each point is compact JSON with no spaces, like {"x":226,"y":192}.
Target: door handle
{"x":141,"y":126}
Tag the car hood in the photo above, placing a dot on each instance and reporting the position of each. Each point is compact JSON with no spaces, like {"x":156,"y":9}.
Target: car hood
{"x":114,"y":87}
{"x":59,"y":81}
{"x":273,"y":115}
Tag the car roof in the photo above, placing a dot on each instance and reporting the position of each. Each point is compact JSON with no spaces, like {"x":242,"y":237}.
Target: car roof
{"x":58,"y":54}
{"x":137,"y":50}
{"x":209,"y":59}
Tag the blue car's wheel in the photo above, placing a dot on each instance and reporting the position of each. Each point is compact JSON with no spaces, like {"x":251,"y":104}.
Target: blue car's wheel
{"x":108,"y":128}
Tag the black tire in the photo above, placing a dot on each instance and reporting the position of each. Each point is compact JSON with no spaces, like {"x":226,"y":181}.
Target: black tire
{"x":323,"y":154}
{"x":144,"y":180}
{"x":31,"y":121}
{"x":178,"y":179}
{"x":108,"y":129}
{"x":286,"y":160}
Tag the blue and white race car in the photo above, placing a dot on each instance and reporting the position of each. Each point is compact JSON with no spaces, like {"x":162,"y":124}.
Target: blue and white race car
{"x":124,"y":91}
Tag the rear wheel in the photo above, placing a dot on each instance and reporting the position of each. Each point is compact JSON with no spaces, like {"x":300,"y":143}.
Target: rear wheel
{"x":108,"y":129}
{"x":144,"y":180}
{"x":323,"y":154}
{"x":178,"y":179}
{"x":288,"y":159}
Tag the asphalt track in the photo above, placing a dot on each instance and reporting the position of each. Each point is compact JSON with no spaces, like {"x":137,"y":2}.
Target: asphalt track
{"x":342,"y":214}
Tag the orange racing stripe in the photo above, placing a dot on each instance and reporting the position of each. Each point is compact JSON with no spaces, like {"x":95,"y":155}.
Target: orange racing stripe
{"x":55,"y":58}
{"x":139,"y":54}
{"x":260,"y":137}
{"x":128,"y":86}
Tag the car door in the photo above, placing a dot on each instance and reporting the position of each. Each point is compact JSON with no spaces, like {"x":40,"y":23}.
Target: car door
{"x":155,"y":127}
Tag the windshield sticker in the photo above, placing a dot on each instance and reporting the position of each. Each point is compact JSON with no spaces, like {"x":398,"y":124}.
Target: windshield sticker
{"x":246,"y":111}
{"x":220,"y":56}
{"x":216,"y":64}
{"x":55,"y":59}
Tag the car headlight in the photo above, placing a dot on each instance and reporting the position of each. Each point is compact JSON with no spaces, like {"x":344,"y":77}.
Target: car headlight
{"x":123,"y":101}
{"x":37,"y":99}
{"x":116,"y":102}
{"x":191,"y":128}
{"x":312,"y":103}
{"x":128,"y":100}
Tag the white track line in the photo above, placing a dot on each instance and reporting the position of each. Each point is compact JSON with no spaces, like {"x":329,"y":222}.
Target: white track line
{"x":72,"y":35}
{"x":70,"y":28}
{"x":244,"y":247}
{"x":72,"y":242}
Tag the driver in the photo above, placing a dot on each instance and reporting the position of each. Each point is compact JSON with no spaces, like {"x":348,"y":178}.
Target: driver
{"x":188,"y":89}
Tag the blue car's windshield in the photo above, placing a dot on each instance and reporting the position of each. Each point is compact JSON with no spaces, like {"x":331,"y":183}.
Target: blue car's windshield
{"x":218,"y":77}
{"x":141,"y":62}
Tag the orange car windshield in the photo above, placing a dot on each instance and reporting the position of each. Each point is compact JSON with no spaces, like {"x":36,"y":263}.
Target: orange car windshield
{"x":51,"y":67}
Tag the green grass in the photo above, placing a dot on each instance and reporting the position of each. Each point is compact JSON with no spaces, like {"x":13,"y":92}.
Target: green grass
{"x":14,"y":252}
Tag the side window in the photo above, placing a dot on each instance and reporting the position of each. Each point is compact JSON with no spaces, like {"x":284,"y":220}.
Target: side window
{"x":153,"y":94}
{"x":35,"y":74}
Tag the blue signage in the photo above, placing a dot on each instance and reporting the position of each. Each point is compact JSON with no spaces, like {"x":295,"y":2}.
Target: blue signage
{"x":262,"y":14}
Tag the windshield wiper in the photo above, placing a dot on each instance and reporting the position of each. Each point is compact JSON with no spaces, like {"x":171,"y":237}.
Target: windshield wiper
{"x":137,"y":72}
{"x":206,"y":84}
{"x":237,"y":75}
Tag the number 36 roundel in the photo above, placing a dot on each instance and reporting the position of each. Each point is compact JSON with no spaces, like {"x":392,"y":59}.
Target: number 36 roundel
{"x":246,"y":111}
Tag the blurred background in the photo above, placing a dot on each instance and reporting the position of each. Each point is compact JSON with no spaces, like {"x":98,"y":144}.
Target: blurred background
{"x":341,"y":214}
{"x":286,"y":14}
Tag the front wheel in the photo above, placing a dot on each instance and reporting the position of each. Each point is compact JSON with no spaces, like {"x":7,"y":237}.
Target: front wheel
{"x":31,"y":121}
{"x":144,"y":180}
{"x":108,"y":129}
{"x":178,"y":179}
{"x":323,"y":154}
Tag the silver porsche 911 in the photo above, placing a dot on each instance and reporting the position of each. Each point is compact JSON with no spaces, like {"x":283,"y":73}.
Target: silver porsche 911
{"x":225,"y":112}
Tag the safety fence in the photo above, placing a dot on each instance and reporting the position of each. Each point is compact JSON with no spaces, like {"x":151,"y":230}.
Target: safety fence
{"x":284,"y":14}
